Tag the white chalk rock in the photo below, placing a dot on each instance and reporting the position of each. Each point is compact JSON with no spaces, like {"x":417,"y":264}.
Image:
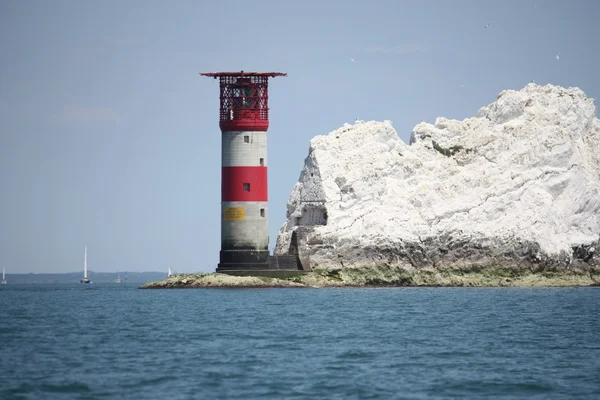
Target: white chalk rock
{"x":517,"y":184}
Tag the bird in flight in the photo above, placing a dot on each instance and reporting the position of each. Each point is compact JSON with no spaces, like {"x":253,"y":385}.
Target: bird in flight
{"x":557,"y":57}
{"x":353,"y":60}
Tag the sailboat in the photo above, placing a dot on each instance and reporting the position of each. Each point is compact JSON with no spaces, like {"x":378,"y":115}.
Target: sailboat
{"x":170,"y":272}
{"x":4,"y":277}
{"x":118,"y":280}
{"x":85,"y":275}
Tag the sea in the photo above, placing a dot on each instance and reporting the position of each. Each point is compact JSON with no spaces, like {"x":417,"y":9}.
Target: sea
{"x":110,"y":341}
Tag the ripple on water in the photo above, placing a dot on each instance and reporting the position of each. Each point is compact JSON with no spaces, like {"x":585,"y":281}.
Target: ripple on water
{"x":67,"y":387}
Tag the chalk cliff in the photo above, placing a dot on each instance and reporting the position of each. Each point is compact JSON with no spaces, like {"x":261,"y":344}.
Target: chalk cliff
{"x":517,"y":185}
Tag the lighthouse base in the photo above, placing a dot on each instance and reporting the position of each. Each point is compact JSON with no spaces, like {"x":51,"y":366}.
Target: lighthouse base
{"x":257,"y":263}
{"x":261,"y":263}
{"x":268,"y":273}
{"x":286,"y":265}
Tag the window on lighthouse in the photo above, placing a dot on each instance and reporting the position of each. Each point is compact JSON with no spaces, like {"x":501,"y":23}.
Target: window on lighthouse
{"x":262,"y":162}
{"x":246,"y":139}
{"x":262,"y":212}
{"x":246,"y":187}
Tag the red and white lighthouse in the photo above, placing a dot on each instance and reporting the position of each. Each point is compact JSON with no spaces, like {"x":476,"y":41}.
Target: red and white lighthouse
{"x":244,"y":120}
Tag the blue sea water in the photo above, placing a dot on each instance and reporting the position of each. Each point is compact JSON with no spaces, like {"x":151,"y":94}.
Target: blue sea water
{"x":115,"y":341}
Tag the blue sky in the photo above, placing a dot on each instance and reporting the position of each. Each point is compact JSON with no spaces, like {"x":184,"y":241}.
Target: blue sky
{"x":109,"y":137}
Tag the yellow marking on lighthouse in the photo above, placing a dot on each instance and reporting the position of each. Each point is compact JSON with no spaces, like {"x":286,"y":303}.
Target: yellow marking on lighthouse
{"x":234,"y":214}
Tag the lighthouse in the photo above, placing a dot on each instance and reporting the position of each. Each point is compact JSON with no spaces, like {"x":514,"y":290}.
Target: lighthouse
{"x":244,"y":121}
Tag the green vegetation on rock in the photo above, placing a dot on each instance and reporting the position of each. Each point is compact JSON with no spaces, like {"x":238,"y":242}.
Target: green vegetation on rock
{"x":449,"y":152}
{"x":392,"y":277}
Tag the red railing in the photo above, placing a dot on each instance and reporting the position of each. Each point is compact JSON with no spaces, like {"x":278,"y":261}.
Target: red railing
{"x":244,"y":98}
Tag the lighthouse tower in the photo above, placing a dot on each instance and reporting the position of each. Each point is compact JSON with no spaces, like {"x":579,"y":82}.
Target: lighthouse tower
{"x":244,"y":120}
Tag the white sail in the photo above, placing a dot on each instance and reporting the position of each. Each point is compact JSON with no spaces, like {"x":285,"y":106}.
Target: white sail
{"x":85,"y":264}
{"x":85,"y":269}
{"x":3,"y":276}
{"x":170,"y":272}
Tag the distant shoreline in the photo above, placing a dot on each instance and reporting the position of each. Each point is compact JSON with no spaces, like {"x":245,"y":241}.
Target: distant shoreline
{"x":390,"y":277}
{"x":74,"y":277}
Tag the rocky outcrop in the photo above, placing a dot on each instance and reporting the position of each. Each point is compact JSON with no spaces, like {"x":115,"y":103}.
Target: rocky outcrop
{"x":388,"y":277}
{"x":198,"y":281}
{"x":516,"y":186}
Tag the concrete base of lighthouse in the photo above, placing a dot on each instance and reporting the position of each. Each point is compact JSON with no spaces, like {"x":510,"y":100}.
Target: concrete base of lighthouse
{"x":277,"y":267}
{"x":274,"y":266}
{"x":261,"y":263}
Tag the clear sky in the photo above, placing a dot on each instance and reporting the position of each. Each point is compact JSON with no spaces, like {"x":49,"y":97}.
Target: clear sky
{"x":109,"y":137}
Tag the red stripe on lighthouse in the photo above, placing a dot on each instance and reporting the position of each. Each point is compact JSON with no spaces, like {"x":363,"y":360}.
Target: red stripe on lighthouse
{"x":244,"y":184}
